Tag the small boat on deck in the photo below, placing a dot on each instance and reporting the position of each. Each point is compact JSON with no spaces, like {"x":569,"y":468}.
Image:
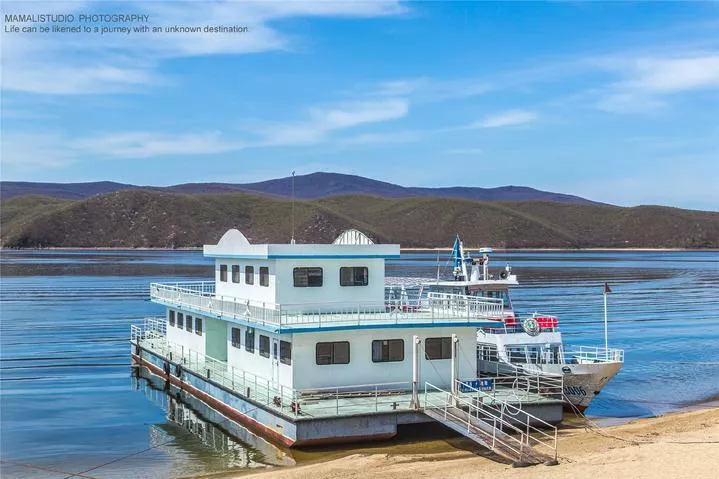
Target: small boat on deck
{"x":532,"y":345}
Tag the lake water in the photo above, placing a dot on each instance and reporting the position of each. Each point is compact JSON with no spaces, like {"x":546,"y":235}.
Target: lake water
{"x":70,"y":404}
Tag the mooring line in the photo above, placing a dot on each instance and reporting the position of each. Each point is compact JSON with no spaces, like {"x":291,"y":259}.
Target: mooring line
{"x":118,"y":459}
{"x":46,"y":469}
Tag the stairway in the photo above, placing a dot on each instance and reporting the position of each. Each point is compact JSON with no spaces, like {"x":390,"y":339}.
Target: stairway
{"x":487,"y":425}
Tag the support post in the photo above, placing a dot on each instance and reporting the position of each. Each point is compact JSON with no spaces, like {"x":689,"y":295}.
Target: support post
{"x":606,"y":333}
{"x":453,"y":373}
{"x":415,"y":371}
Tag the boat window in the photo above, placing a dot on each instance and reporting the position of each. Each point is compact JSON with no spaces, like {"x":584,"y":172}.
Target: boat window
{"x":264,"y":276}
{"x":307,"y":277}
{"x":249,"y":275}
{"x":250,"y":340}
{"x":188,"y":323}
{"x":386,"y":350}
{"x":264,"y":346}
{"x":438,"y":348}
{"x":172,"y":318}
{"x":223,"y":272}
{"x":285,"y":352}
{"x":516,"y":355}
{"x":198,"y":326}
{"x":332,"y":353}
{"x":180,"y":320}
{"x":235,"y":273}
{"x":354,"y":276}
{"x":236,"y":335}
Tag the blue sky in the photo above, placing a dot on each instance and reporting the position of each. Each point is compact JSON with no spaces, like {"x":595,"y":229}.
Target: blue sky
{"x":613,"y":101}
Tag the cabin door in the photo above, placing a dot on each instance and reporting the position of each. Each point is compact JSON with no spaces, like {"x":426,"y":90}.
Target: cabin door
{"x":276,"y":362}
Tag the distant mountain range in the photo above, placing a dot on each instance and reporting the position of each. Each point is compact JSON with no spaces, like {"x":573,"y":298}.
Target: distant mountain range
{"x":149,"y":218}
{"x":312,"y":186}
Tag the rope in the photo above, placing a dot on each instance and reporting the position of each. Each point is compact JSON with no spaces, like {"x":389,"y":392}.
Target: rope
{"x":118,"y":459}
{"x":46,"y":469}
{"x":591,"y":426}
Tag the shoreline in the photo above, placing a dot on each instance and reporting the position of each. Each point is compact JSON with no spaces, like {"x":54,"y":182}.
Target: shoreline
{"x":678,"y":444}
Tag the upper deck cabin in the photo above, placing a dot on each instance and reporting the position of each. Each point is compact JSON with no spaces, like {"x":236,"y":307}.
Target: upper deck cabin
{"x":319,"y":307}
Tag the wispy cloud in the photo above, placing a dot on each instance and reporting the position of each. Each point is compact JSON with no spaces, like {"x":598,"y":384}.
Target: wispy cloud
{"x":73,"y":64}
{"x":465,"y":151}
{"x":503,"y":119}
{"x":645,"y":82}
{"x":322,"y":121}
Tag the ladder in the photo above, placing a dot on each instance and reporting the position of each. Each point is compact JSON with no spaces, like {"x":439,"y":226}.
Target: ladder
{"x":501,"y":427}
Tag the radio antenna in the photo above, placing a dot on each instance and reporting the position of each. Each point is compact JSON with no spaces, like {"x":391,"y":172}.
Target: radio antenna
{"x":292,"y":241}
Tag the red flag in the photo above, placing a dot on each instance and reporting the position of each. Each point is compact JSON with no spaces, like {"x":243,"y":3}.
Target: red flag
{"x":606,"y":288}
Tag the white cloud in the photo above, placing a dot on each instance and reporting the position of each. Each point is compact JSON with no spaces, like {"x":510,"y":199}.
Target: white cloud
{"x":80,"y":63}
{"x":137,"y":145}
{"x":323,"y":121}
{"x":647,"y":80}
{"x":506,"y":118}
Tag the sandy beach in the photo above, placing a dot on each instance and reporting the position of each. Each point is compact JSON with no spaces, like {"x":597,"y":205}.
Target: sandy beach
{"x":684,"y":444}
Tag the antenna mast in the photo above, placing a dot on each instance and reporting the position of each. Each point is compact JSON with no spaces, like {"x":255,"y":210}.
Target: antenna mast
{"x":292,"y":241}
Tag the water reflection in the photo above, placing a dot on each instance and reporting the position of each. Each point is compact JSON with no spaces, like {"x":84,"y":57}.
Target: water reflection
{"x":195,"y":428}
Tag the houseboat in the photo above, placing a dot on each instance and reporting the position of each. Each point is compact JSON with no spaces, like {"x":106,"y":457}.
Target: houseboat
{"x":533,"y":345}
{"x":299,"y":343}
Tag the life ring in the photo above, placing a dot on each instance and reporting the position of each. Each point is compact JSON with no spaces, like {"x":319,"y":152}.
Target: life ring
{"x":531,"y":326}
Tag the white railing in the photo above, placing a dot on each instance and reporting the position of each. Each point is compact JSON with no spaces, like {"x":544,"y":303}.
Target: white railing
{"x":521,"y":385}
{"x":436,"y":307}
{"x":590,"y":354}
{"x":502,"y":417}
{"x":322,"y":402}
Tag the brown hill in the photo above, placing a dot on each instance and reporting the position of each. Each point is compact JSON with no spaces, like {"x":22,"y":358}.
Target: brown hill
{"x":141,"y":218}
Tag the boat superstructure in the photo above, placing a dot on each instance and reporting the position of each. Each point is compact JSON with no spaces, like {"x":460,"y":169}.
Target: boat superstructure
{"x":534,"y":344}
{"x":300,"y":343}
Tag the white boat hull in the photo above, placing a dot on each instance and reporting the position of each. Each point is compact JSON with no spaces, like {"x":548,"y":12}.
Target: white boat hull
{"x":582,"y":382}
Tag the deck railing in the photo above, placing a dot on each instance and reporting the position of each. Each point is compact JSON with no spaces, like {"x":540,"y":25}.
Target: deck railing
{"x":319,"y":402}
{"x":434,"y":308}
{"x":591,"y":354}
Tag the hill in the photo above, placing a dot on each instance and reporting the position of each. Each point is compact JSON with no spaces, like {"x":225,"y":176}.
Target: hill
{"x":148,"y":218}
{"x":312,"y":186}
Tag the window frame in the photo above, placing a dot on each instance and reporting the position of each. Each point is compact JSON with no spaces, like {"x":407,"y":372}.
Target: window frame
{"x":354,"y":281}
{"x":250,"y":340}
{"x":285,"y":347}
{"x":198,"y":326}
{"x":249,"y":274}
{"x":189,"y":323}
{"x":180,"y":320}
{"x":171,"y":317}
{"x":235,"y":273}
{"x":332,"y":359}
{"x":306,"y":270}
{"x":264,"y":343}
{"x":264,"y":275}
{"x":223,"y":273}
{"x":382,"y":350}
{"x":236,"y":344}
{"x":443,"y":340}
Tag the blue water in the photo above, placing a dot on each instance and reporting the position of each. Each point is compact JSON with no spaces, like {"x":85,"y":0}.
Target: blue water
{"x":68,"y":401}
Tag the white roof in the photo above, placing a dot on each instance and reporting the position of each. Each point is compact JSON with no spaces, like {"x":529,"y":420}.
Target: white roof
{"x":234,"y":244}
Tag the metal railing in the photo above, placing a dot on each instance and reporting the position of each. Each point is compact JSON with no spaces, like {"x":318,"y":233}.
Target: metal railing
{"x":320,"y":402}
{"x":502,"y":417}
{"x":591,"y":354}
{"x":522,"y":385}
{"x":434,"y":308}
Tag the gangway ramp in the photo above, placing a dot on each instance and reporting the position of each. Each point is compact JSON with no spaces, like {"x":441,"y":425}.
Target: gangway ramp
{"x":494,"y":427}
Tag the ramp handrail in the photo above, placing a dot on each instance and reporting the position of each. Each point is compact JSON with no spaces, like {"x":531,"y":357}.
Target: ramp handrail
{"x":451,"y":401}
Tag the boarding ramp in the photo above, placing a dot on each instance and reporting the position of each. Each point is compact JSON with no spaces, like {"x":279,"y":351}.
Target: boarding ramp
{"x":503,"y":428}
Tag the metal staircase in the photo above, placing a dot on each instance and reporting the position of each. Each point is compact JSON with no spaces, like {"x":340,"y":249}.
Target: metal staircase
{"x":501,"y":427}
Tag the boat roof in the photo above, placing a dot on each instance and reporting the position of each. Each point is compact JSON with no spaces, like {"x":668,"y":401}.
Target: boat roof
{"x":234,"y":244}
